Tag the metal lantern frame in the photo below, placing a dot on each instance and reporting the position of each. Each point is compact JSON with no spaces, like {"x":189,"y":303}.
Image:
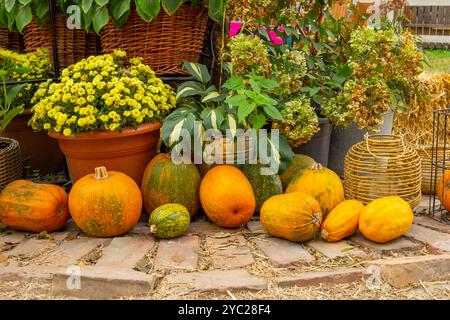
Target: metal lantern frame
{"x":440,"y":162}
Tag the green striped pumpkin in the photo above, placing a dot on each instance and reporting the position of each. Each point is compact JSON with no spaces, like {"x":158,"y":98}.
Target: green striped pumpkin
{"x":166,"y":182}
{"x":299,"y":163}
{"x":169,"y":220}
{"x":264,"y":186}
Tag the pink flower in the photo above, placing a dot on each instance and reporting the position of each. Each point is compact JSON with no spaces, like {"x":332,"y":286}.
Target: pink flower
{"x":263,"y":27}
{"x":274,"y":38}
{"x":235,"y":27}
{"x":280,"y":29}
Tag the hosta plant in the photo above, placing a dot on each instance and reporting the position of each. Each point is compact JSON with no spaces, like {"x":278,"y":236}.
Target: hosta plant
{"x":101,"y":93}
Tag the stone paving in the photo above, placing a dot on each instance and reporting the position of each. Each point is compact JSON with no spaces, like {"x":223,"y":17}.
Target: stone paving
{"x":212,"y":259}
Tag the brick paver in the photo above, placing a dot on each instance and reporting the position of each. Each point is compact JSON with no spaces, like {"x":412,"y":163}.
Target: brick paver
{"x":125,"y":251}
{"x":426,"y":235}
{"x":15,"y":237}
{"x":31,"y":247}
{"x":333,"y":250}
{"x":432,"y":224}
{"x":229,"y":252}
{"x":70,"y":252}
{"x":178,"y":253}
{"x":282,"y":253}
{"x":203,"y":228}
{"x":400,"y":272}
{"x":217,"y":281}
{"x":102,"y":283}
{"x":317,"y":278}
{"x":396,"y":245}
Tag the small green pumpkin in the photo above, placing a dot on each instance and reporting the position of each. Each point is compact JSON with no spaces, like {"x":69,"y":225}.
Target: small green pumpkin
{"x":169,"y":220}
{"x":299,"y":163}
{"x":264,"y":186}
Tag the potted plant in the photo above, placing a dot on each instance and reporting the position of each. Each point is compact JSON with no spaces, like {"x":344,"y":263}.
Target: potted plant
{"x":386,"y":64}
{"x":10,"y":156}
{"x":31,"y":18}
{"x":32,"y":143}
{"x":243,"y":102}
{"x":104,"y":112}
{"x":163,"y":32}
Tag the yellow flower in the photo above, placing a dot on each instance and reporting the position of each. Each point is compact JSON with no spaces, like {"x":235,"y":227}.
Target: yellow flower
{"x":47,"y":126}
{"x":67,"y":132}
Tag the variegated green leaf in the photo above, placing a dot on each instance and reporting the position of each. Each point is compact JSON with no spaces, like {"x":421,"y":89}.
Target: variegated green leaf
{"x":176,"y":132}
{"x":210,"y":96}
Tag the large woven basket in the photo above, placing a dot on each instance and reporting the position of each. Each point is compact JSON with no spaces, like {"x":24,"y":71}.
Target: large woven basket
{"x":428,"y":170}
{"x":10,"y":161}
{"x":11,"y":40}
{"x":73,"y":44}
{"x":380,"y":166}
{"x":163,"y":43}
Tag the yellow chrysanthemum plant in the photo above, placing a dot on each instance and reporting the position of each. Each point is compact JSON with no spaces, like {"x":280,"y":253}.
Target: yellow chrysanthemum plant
{"x":38,"y":66}
{"x":101,"y":93}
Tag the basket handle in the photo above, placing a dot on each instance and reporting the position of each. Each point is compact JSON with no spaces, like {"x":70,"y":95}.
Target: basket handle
{"x":390,"y":158}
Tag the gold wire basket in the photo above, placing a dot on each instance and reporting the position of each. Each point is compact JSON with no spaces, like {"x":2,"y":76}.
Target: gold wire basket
{"x":428,"y":170}
{"x":380,"y":166}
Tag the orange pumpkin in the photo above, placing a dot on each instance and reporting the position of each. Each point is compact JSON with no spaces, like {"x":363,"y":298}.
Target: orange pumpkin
{"x":105,"y":204}
{"x":227,"y":196}
{"x":293,"y":216}
{"x":385,"y":219}
{"x":342,"y":221}
{"x":34,"y":207}
{"x":320,"y":182}
{"x":443,"y":190}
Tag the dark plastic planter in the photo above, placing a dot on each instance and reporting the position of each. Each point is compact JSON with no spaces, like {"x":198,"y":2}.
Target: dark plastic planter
{"x":343,"y":139}
{"x":319,"y":146}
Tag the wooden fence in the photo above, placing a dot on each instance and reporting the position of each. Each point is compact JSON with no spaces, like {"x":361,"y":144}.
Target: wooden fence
{"x":430,"y":19}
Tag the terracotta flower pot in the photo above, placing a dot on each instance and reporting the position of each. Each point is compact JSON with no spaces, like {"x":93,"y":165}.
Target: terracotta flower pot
{"x":128,"y":151}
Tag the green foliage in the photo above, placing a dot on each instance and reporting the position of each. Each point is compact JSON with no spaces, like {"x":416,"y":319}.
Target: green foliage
{"x":9,"y":93}
{"x":97,"y":13}
{"x":299,"y":123}
{"x":248,"y":54}
{"x":17,"y":14}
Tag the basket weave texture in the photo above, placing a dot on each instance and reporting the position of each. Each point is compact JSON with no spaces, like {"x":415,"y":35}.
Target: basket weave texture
{"x":163,"y":43}
{"x":10,"y":161}
{"x":380,"y":166}
{"x":10,"y":40}
{"x":428,"y":170}
{"x":73,"y":44}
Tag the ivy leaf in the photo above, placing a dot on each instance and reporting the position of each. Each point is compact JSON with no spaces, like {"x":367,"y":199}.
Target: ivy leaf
{"x":100,"y":19}
{"x":119,"y":7}
{"x":170,"y":6}
{"x":23,"y":17}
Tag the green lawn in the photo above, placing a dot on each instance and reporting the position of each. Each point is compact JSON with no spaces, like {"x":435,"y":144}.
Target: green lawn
{"x":439,"y":60}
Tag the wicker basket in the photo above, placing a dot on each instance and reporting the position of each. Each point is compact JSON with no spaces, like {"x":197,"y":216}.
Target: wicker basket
{"x":164,"y":43}
{"x":380,"y":166}
{"x":11,"y":40}
{"x":10,"y":161}
{"x":428,"y":171}
{"x":73,"y":44}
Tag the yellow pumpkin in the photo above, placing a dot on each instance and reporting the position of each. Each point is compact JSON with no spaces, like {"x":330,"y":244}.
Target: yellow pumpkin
{"x":293,"y":216}
{"x":385,"y":219}
{"x":342,"y":221}
{"x":321,"y":183}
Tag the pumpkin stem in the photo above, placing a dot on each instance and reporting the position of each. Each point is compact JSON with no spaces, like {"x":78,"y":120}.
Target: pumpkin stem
{"x":153,"y":228}
{"x":317,"y":166}
{"x":317,"y":219}
{"x":101,"y":173}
